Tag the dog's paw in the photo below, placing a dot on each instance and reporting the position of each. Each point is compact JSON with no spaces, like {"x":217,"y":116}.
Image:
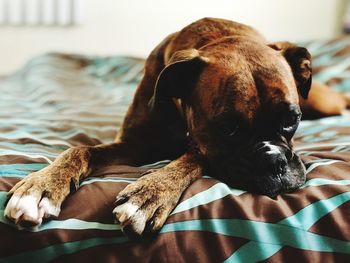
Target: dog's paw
{"x":34,"y":198}
{"x":143,"y":206}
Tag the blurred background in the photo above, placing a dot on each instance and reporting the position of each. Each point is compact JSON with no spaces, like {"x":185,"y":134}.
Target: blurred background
{"x":134,"y":27}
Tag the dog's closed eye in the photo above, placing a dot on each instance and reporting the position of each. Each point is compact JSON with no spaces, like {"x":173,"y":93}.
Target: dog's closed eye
{"x":290,"y":124}
{"x":229,"y":129}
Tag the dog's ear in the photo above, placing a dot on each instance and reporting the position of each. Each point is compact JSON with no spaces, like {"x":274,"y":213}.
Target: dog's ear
{"x":299,"y":60}
{"x":177,"y":78}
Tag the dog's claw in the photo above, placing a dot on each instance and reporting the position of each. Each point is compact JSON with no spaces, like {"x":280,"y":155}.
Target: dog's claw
{"x":120,"y":200}
{"x":142,"y":207}
{"x":31,"y":201}
{"x":149,"y":226}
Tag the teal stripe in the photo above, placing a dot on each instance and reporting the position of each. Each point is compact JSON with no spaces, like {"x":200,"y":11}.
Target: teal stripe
{"x":221,"y":190}
{"x":3,"y":197}
{"x":24,"y":166}
{"x":214,"y":193}
{"x":309,"y":215}
{"x":272,"y":235}
{"x":20,"y":170}
{"x":69,"y":224}
{"x":311,"y":130}
{"x":76,"y":224}
{"x":13,"y":173}
{"x":262,"y":232}
{"x":342,"y":86}
{"x":49,"y":253}
{"x":304,"y":219}
{"x":330,"y":48}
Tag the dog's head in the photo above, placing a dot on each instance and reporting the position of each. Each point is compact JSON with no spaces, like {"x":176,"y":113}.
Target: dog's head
{"x":240,"y":98}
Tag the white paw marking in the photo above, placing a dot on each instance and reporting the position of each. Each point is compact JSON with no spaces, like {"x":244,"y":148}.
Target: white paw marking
{"x":28,"y":205}
{"x":273,"y":148}
{"x":125,"y":211}
{"x":129,"y":212}
{"x":10,"y":210}
{"x":47,"y":209}
{"x":139,"y":222}
{"x":22,"y":205}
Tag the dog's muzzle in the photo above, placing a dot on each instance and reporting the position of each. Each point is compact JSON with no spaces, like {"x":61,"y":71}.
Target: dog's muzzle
{"x":267,"y":168}
{"x":270,"y":159}
{"x":277,"y":169}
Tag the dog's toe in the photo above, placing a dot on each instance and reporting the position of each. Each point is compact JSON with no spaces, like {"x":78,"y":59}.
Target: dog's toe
{"x":48,"y":209}
{"x":30,"y":202}
{"x":28,"y":211}
{"x":131,"y":217}
{"x":23,"y":208}
{"x":143,"y":207}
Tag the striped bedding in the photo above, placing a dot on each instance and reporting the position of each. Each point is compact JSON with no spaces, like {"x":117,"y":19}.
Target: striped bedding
{"x":57,"y":101}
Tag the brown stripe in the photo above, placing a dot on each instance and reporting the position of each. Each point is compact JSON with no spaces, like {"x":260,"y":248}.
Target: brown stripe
{"x":341,"y":156}
{"x":260,"y":208}
{"x":338,"y":220}
{"x":14,"y":159}
{"x":289,"y":254}
{"x":178,"y":247}
{"x":21,"y":241}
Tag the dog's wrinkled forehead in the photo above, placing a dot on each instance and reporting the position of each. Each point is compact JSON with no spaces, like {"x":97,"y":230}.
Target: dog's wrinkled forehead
{"x":245,"y":79}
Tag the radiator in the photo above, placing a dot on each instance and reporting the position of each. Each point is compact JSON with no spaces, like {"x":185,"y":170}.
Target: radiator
{"x":37,"y":12}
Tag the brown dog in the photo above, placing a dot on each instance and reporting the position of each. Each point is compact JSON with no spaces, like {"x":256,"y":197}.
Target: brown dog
{"x":215,"y":96}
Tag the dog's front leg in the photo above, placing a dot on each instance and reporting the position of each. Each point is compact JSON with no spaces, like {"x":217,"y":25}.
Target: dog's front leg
{"x":143,"y":206}
{"x":40,"y":194}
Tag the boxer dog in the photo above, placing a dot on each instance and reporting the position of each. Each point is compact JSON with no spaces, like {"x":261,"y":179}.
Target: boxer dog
{"x":215,"y":98}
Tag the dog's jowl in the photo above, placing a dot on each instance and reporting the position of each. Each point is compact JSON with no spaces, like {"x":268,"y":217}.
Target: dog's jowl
{"x":216,"y":98}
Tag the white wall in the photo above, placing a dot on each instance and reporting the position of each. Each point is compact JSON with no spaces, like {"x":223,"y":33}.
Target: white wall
{"x":134,"y":27}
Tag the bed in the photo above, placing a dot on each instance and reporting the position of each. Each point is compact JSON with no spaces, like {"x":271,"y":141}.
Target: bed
{"x":58,"y":100}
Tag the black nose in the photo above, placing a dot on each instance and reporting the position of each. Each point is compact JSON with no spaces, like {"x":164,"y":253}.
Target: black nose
{"x":270,"y":159}
{"x":276,"y":164}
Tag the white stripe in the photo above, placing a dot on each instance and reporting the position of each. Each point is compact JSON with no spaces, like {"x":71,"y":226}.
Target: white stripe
{"x":313,"y":166}
{"x":101,"y":180}
{"x":321,"y":181}
{"x":156,"y":164}
{"x":319,"y":145}
{"x":33,"y":156}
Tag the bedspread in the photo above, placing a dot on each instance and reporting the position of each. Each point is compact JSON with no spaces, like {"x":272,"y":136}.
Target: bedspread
{"x":57,"y":101}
